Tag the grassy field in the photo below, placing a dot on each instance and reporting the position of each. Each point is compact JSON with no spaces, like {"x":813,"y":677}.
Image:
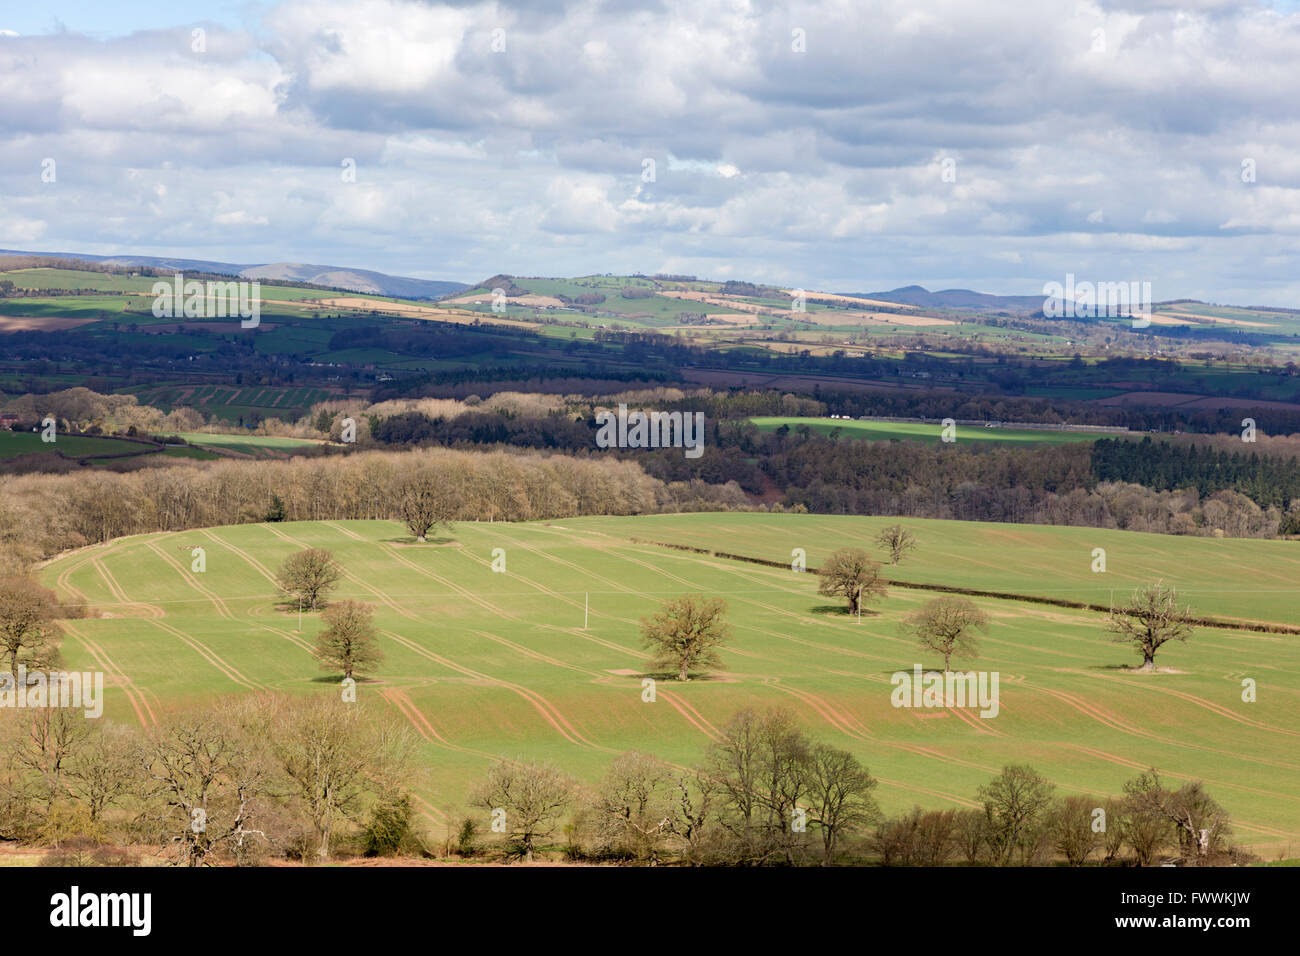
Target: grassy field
{"x":13,"y":444}
{"x":256,"y":445}
{"x":483,"y":664}
{"x":230,"y":402}
{"x":913,"y":431}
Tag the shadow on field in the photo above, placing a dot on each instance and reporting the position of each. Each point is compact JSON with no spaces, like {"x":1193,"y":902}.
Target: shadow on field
{"x":337,"y":679}
{"x":410,"y":542}
{"x":670,"y":677}
{"x":841,"y":611}
{"x":1133,"y":669}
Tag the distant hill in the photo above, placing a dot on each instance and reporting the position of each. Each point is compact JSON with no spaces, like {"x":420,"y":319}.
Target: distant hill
{"x":354,"y":280}
{"x":357,"y":280}
{"x":955,"y":299}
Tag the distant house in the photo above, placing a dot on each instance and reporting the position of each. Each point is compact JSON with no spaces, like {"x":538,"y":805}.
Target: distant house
{"x":8,"y":421}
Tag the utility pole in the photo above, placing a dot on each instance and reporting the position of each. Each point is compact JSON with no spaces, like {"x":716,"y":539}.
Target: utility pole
{"x":859,"y":603}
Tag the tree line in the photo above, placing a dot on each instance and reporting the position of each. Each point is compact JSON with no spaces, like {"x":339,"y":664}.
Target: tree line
{"x":1267,"y":480}
{"x":42,"y":515}
{"x":241,"y":781}
{"x":251,"y":780}
{"x":766,"y":794}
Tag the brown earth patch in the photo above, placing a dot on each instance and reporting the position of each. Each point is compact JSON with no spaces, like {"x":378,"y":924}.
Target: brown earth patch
{"x":1184,"y":400}
{"x":848,"y":300}
{"x":39,"y":323}
{"x":486,"y":297}
{"x":876,"y":318}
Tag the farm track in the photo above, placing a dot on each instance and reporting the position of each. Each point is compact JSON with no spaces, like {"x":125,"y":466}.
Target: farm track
{"x":139,"y":703}
{"x":548,"y":710}
{"x":850,"y":726}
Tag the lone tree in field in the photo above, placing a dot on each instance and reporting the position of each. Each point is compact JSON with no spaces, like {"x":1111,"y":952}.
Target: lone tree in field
{"x":309,"y":575}
{"x":850,"y":573}
{"x":347,"y":643}
{"x":1151,"y":618}
{"x":28,"y":634}
{"x":947,"y":626}
{"x":532,"y":797}
{"x":685,"y":633}
{"x":425,"y":500}
{"x":897,"y":540}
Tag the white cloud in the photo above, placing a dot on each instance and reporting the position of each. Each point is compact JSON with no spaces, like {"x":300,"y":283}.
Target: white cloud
{"x":817,"y":168}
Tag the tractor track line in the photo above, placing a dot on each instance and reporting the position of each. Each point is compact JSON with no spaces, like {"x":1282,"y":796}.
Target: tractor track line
{"x":548,"y":710}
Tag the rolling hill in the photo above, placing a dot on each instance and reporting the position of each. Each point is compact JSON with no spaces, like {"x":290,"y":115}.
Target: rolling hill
{"x":483,"y":664}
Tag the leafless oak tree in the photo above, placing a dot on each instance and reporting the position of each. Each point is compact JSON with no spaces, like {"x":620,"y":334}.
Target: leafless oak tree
{"x":851,"y":574}
{"x":1151,"y":619}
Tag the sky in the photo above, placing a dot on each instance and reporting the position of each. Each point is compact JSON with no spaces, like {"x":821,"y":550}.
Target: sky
{"x":844,"y":145}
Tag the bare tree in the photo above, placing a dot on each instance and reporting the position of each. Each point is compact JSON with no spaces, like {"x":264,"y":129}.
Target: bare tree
{"x":761,"y":772}
{"x":28,"y":634}
{"x":424,"y":500}
{"x":693,"y":811}
{"x":206,"y":775}
{"x":897,"y":541}
{"x":632,"y":806}
{"x":1112,"y":838}
{"x":851,"y":574}
{"x":1073,"y":828}
{"x":1151,"y":619}
{"x":839,"y":796}
{"x":348,"y":641}
{"x":309,"y":575}
{"x":55,"y":734}
{"x":102,"y":772}
{"x":1015,"y":802}
{"x":1201,"y":825}
{"x":686,"y":633}
{"x":970,"y":834}
{"x":333,"y":758}
{"x":532,"y":798}
{"x":947,"y":626}
{"x":1145,"y":826}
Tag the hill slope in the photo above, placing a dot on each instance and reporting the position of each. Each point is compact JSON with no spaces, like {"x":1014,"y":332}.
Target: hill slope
{"x":482,"y":664}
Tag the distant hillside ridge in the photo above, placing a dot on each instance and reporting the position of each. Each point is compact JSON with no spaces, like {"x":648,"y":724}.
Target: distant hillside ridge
{"x":335,"y":277}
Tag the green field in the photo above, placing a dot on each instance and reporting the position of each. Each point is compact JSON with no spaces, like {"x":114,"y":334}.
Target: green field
{"x":912,"y":431}
{"x":33,"y":279}
{"x":232,"y":402}
{"x":13,"y":444}
{"x":485,"y":664}
{"x":257,"y":445}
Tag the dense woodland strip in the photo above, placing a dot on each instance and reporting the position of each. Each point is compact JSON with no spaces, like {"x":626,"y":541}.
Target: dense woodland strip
{"x":41,"y":515}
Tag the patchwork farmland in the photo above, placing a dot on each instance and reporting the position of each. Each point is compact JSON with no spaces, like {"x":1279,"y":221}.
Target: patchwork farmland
{"x":879,"y":430}
{"x":484,"y":664}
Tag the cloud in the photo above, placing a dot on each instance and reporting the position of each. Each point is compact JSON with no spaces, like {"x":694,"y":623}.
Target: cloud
{"x":514,"y":137}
